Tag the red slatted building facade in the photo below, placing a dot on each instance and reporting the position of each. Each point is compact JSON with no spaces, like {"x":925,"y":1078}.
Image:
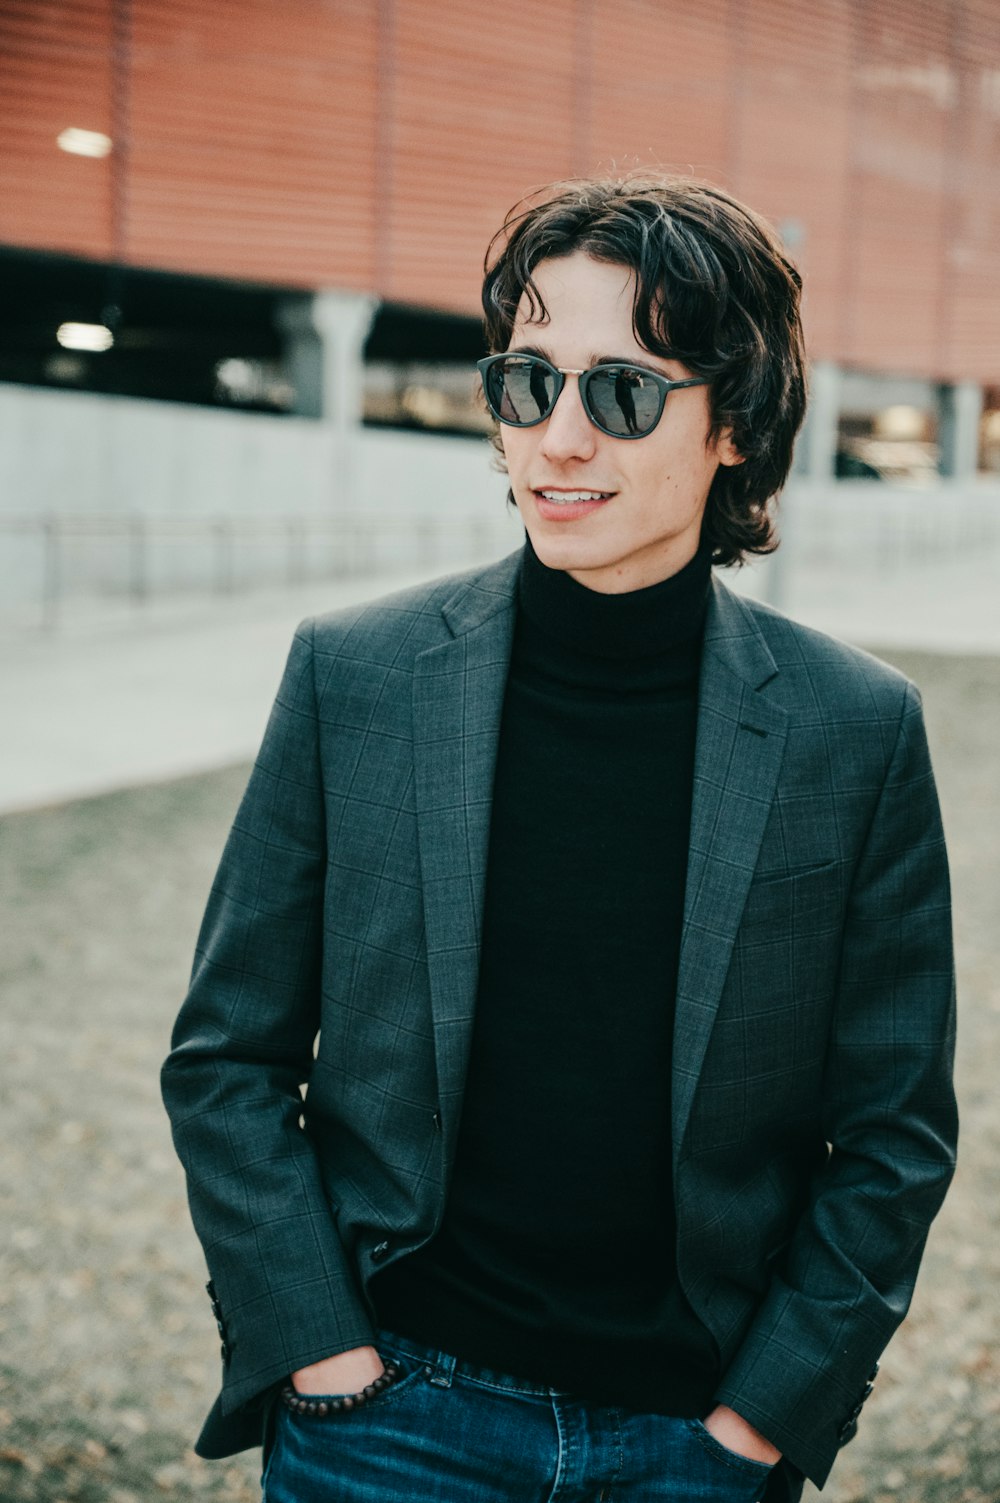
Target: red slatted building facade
{"x":375,"y":145}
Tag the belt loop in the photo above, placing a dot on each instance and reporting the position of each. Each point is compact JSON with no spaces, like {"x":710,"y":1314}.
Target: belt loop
{"x":443,"y":1370}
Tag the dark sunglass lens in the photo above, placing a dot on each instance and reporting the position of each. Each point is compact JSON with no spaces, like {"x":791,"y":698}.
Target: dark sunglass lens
{"x":625,"y":401}
{"x":521,"y":391}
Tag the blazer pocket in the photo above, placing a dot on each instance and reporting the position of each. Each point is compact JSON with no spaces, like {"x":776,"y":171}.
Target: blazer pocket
{"x":793,"y":874}
{"x":793,"y":906}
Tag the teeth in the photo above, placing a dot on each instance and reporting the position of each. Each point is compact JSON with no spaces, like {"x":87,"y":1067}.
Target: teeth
{"x":563,"y":498}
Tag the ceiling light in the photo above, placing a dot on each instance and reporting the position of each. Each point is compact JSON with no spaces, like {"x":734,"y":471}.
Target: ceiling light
{"x":84,"y":143}
{"x":85,"y":336}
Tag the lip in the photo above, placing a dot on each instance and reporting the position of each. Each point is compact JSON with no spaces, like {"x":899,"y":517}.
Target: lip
{"x":568,"y":511}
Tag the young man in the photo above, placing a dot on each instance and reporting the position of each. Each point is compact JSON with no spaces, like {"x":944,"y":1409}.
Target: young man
{"x":620,"y":907}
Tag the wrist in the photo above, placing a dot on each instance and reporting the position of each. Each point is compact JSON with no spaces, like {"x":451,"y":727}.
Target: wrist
{"x":737,"y":1434}
{"x":344,"y":1372}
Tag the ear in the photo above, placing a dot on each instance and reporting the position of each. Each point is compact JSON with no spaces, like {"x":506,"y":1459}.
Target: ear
{"x":726,"y":451}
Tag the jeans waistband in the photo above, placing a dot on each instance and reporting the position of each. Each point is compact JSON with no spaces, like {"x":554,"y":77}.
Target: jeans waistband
{"x":447,"y":1366}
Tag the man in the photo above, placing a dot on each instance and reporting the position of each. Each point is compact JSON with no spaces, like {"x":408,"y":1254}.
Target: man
{"x":620,"y":908}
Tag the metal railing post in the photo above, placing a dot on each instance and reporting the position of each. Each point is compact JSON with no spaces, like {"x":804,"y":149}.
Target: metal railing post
{"x":223,"y":530}
{"x":52,"y":574}
{"x":295,"y":570}
{"x":138,"y":574}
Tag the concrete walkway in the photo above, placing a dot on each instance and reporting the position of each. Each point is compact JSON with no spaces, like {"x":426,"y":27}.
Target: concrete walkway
{"x":113,"y":700}
{"x":110,"y":701}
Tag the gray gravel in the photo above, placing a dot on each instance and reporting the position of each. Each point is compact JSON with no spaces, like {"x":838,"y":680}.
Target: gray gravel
{"x":107,"y":1347}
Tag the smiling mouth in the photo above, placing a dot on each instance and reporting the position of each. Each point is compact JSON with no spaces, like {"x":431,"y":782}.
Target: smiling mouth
{"x":567,"y":498}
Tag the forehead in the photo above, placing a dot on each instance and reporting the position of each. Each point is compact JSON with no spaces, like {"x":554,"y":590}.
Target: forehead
{"x":580,"y":294}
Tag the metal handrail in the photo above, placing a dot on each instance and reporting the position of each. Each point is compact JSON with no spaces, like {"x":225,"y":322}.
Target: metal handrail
{"x":357,"y":537}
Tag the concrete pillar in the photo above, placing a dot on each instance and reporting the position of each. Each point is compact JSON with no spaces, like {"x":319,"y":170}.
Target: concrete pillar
{"x":303,"y":354}
{"x":343,"y":320}
{"x":324,"y":351}
{"x":960,"y":408}
{"x":816,"y":448}
{"x":325,"y":347}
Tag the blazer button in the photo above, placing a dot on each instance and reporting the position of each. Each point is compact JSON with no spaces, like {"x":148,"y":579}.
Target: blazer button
{"x":380,"y":1252}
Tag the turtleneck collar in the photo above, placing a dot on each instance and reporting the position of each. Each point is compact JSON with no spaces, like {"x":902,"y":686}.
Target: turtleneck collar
{"x":643,"y":623}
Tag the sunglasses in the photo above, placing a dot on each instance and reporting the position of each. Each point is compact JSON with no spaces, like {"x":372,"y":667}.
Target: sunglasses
{"x":622,"y":400}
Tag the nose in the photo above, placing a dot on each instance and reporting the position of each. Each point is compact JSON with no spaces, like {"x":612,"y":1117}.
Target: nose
{"x":567,"y":432}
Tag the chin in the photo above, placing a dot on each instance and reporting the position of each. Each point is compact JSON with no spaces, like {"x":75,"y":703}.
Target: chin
{"x":564,"y":553}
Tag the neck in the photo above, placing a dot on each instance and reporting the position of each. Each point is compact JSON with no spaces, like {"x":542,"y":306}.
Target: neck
{"x":633,"y":624}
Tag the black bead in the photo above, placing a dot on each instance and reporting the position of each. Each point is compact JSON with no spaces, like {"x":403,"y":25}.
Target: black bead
{"x":347,"y":1402}
{"x":302,"y":1405}
{"x":322,"y":1410}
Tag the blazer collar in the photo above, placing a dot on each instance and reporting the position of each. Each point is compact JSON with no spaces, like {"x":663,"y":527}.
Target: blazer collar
{"x":733,"y":637}
{"x":479,"y":600}
{"x":731,"y":632}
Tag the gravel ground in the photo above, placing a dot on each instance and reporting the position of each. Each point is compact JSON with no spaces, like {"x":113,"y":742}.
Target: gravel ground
{"x":107,"y":1348}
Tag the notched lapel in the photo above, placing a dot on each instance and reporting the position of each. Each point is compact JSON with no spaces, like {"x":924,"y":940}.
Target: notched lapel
{"x":738,"y":753}
{"x":457,"y":705}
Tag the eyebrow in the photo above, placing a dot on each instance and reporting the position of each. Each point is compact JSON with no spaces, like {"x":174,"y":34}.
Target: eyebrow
{"x":537,"y":349}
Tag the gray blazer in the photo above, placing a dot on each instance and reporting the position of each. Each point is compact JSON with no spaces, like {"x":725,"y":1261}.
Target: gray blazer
{"x":813,"y":1118}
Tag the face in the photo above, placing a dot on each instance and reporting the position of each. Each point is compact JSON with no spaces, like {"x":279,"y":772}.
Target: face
{"x":645,"y":497}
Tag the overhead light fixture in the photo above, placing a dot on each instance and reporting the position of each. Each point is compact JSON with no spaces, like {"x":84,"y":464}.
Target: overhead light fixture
{"x":83,"y":143}
{"x":85,"y":337}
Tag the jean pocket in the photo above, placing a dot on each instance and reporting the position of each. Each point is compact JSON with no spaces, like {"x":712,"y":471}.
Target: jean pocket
{"x":746,"y":1465}
{"x":327,"y":1408}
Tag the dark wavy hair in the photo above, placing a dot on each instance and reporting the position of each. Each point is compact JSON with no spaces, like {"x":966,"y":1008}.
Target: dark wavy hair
{"x":714,"y":290}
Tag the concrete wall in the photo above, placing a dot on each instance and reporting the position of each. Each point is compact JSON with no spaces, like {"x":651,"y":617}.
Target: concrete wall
{"x":105,"y":499}
{"x":110,"y":496}
{"x":79,"y":452}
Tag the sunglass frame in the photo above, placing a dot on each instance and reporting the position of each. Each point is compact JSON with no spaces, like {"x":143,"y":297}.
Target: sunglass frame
{"x":663,"y":384}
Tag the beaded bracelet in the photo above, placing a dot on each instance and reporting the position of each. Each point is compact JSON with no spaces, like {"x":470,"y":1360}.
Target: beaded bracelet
{"x":320,"y":1408}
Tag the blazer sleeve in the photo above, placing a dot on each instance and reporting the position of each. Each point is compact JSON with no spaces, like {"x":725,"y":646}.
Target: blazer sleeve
{"x":282,"y":1287}
{"x":805,"y":1367}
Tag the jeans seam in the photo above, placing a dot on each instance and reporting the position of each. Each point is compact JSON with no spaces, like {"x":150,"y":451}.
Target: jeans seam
{"x":518,"y":1393}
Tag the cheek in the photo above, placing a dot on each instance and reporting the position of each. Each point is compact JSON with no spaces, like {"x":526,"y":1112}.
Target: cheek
{"x":676,"y":475}
{"x":517,"y":448}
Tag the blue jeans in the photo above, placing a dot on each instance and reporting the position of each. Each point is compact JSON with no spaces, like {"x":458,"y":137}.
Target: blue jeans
{"x":451,"y":1432}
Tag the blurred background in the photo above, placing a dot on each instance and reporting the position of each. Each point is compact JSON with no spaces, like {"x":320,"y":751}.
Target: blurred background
{"x":241,"y":247}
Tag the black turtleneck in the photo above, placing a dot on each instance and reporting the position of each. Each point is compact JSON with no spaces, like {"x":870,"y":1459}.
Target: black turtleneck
{"x":555,"y":1259}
